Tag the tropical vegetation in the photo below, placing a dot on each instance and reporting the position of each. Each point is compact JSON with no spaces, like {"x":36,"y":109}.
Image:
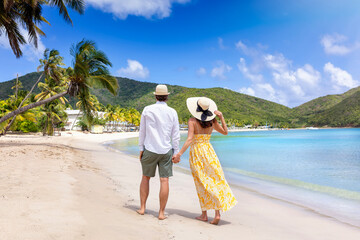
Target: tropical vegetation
{"x":89,"y":70}
{"x":27,"y":14}
{"x":341,"y":110}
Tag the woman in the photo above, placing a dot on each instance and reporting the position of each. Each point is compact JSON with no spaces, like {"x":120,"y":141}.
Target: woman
{"x":212,"y":189}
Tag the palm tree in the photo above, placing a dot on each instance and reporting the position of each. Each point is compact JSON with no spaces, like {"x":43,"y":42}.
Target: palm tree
{"x":93,"y":104}
{"x":111,"y":115}
{"x":51,"y":66}
{"x":53,"y":113}
{"x":17,"y":86}
{"x":28,"y":14}
{"x":90,"y":69}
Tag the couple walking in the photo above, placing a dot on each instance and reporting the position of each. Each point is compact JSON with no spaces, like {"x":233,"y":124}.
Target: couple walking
{"x":159,"y":147}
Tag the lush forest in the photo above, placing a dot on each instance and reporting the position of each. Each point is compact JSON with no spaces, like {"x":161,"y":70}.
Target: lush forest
{"x":333,"y":110}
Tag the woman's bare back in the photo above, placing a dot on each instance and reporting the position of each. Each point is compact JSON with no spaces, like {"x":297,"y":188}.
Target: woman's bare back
{"x":200,"y":130}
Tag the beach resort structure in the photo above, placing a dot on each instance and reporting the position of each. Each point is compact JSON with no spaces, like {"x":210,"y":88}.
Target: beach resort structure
{"x":74,"y":117}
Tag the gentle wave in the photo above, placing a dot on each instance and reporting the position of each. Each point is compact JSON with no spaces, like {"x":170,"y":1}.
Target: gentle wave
{"x":352,"y":195}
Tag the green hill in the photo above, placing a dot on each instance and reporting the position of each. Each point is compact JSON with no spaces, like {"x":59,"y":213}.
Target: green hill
{"x":332,"y":110}
{"x":344,"y":114}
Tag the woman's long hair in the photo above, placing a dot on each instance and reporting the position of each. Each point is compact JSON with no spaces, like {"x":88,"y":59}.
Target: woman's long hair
{"x":205,"y":124}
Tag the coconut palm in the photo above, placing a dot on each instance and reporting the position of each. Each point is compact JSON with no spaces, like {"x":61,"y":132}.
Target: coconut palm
{"x":53,"y":113}
{"x":28,"y":14}
{"x":51,"y":68}
{"x":90,"y":69}
{"x":92,"y":103}
{"x":17,"y":86}
{"x":111,"y":115}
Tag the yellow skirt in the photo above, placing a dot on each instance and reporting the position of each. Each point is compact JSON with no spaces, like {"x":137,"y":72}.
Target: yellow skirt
{"x":211,"y":186}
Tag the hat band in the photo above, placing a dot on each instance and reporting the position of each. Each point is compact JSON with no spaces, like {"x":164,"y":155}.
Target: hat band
{"x":205,"y":113}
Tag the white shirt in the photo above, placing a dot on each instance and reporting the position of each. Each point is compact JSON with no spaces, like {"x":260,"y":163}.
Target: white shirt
{"x":159,"y":129}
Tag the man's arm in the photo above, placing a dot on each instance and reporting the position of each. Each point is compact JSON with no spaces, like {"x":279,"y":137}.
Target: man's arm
{"x":175,"y":135}
{"x":142,"y":133}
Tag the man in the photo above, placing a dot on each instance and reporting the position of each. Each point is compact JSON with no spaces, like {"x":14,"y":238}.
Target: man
{"x":158,"y":141}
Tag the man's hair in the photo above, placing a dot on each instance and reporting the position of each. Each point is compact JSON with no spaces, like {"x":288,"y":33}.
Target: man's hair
{"x":161,"y":98}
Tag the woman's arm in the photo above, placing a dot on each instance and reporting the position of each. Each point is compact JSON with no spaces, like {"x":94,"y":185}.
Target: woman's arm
{"x":188,"y":141}
{"x":220,"y":128}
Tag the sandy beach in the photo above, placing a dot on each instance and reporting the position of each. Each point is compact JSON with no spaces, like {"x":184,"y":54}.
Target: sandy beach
{"x":74,"y":187}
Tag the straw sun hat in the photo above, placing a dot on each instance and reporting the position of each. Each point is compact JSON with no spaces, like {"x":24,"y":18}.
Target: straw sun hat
{"x":202,"y":108}
{"x":161,"y":90}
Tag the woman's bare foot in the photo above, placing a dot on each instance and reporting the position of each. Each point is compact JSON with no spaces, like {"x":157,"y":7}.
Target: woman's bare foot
{"x":216,"y":220}
{"x":141,"y":211}
{"x":162,"y":216}
{"x":203,"y":217}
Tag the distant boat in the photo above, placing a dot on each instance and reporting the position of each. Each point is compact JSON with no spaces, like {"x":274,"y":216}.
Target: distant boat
{"x":312,"y":128}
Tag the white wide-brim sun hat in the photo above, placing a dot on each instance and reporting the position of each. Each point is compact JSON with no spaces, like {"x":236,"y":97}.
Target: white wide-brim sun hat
{"x":200,"y":107}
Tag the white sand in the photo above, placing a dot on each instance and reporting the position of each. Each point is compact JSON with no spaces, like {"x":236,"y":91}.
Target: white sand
{"x":71,"y":187}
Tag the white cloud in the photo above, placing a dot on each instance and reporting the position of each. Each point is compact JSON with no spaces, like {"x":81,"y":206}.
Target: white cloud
{"x":248,"y":91}
{"x":277,"y":62}
{"x":340,"y":78}
{"x":145,"y":8}
{"x":201,"y":71}
{"x":221,"y":43}
{"x":220,"y":71}
{"x":300,"y":82}
{"x":286,"y":85}
{"x":30,"y":52}
{"x":265,"y":91}
{"x":134,"y":70}
{"x":247,"y":73}
{"x":335,"y":44}
{"x":308,"y":75}
{"x":246,"y":50}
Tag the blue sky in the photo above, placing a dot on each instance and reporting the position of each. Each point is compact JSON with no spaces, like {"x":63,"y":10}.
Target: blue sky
{"x":284,"y":51}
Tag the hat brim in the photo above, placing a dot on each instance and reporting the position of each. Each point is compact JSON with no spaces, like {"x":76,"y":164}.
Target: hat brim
{"x":191,"y":104}
{"x":161,"y":94}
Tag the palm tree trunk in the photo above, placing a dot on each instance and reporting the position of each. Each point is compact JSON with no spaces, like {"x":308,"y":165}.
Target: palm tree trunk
{"x":75,"y":120}
{"x":22,"y":102}
{"x":32,"y":105}
{"x":32,"y":89}
{"x":16,"y":91}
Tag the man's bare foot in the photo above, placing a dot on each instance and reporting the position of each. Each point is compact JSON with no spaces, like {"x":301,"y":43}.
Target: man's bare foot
{"x":216,"y":220}
{"x":162,"y":216}
{"x":141,"y":211}
{"x":202,"y":218}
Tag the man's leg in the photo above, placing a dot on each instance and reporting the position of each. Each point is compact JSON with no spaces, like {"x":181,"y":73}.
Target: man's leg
{"x":163,"y":196}
{"x":144,"y":193}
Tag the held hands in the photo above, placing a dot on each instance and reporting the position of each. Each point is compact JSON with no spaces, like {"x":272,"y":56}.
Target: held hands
{"x":176,"y":158}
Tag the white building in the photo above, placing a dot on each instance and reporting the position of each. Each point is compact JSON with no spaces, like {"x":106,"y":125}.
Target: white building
{"x":74,"y":117}
{"x":72,"y":120}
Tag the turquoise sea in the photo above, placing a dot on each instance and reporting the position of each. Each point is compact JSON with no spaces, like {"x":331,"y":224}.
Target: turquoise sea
{"x":316,"y":169}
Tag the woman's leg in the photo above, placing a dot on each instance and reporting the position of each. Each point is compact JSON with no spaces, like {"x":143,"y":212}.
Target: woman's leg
{"x":216,"y":219}
{"x":203,"y":216}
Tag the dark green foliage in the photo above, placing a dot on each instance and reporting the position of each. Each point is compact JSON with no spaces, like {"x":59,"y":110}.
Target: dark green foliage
{"x":27,"y":126}
{"x":239,"y":109}
{"x":338,"y":110}
{"x":27,"y":81}
{"x":344,"y":114}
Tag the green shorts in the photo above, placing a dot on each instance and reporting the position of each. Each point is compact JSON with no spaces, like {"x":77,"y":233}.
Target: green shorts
{"x":150,"y":160}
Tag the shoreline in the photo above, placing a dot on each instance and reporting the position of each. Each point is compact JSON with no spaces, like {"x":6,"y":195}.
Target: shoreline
{"x":96,"y":194}
{"x":289,"y":193}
